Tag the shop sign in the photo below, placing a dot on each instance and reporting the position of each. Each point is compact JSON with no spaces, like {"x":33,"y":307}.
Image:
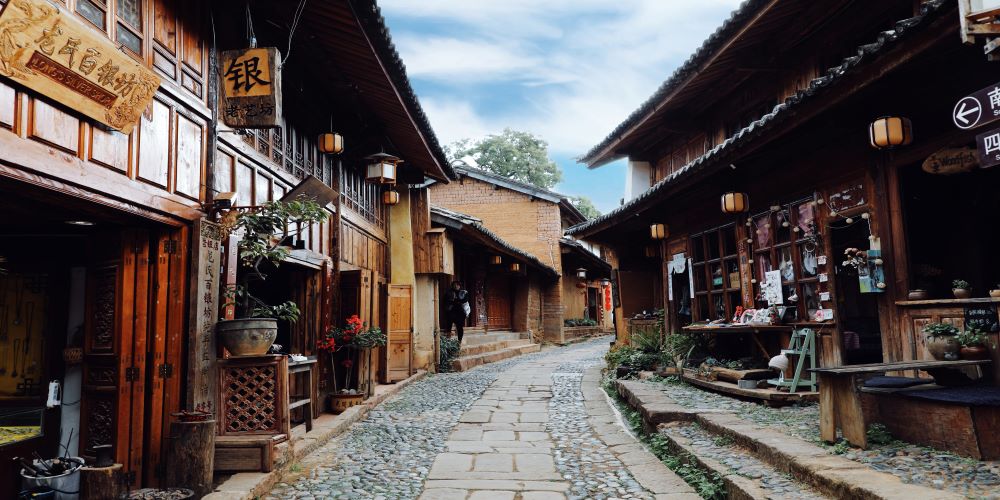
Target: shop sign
{"x":983,"y":317}
{"x":950,"y":161}
{"x":251,"y":87}
{"x":988,"y":145}
{"x":204,"y":315}
{"x":977,"y":109}
{"x":51,"y":51}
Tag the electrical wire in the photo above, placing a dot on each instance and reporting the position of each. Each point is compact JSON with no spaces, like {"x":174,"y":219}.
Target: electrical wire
{"x":291,"y":30}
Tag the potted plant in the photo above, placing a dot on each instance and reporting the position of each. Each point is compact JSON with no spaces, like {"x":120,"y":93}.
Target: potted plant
{"x":995,"y":293}
{"x":973,"y":342}
{"x":263,"y":229}
{"x":961,"y":289}
{"x":358,"y":339}
{"x":941,"y":341}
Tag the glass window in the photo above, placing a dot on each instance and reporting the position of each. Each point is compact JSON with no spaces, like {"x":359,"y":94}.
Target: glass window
{"x":130,"y":11}
{"x":716,"y":274}
{"x":787,"y":240}
{"x":93,"y":11}
{"x":128,"y":29}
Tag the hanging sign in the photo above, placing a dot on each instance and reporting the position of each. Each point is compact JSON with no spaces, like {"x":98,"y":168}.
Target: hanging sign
{"x":977,"y":109}
{"x":207,"y":274}
{"x":983,"y":317}
{"x":771,"y":288}
{"x":950,"y":161}
{"x":988,"y":145}
{"x":251,"y":87}
{"x":49,"y":50}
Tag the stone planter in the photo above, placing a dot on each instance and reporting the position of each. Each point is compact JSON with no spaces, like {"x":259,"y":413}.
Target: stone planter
{"x":247,"y":337}
{"x":940,"y":346}
{"x":961,"y":293}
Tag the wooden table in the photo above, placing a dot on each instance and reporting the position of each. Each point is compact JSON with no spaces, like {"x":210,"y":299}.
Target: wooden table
{"x":840,"y":404}
{"x":753,"y":330}
{"x":303,"y":400}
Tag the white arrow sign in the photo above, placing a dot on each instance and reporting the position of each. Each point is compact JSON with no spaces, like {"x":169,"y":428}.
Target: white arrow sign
{"x":967,"y":112}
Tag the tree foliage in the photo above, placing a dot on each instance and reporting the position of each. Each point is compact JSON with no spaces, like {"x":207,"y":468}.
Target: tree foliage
{"x":517,"y":155}
{"x":585,"y":206}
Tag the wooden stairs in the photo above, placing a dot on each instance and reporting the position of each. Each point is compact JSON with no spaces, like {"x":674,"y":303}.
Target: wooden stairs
{"x":482,"y":348}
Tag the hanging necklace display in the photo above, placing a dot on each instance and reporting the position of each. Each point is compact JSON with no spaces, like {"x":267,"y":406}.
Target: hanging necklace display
{"x":809,"y":263}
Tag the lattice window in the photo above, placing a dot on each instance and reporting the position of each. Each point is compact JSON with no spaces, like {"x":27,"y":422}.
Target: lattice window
{"x":362,"y":197}
{"x":251,"y":399}
{"x":716,"y":273}
{"x":128,"y":29}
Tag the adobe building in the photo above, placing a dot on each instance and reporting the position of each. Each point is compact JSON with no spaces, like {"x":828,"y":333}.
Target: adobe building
{"x":533,"y":220}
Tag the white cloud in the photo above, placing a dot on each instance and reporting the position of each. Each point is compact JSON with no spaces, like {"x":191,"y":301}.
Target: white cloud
{"x":574,"y":69}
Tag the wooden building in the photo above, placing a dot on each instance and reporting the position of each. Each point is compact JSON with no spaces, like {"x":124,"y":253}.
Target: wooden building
{"x":777,"y":106}
{"x":533,"y":220}
{"x":112,"y":269}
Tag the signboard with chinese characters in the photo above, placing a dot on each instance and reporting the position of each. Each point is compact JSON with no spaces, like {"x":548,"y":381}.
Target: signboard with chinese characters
{"x":989,"y":148}
{"x":977,"y":109}
{"x":983,"y":317}
{"x":251,"y":87}
{"x":51,"y":51}
{"x":207,"y":272}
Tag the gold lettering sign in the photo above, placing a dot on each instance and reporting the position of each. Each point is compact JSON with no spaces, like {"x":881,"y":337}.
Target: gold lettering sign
{"x":251,"y":87}
{"x":50,"y":51}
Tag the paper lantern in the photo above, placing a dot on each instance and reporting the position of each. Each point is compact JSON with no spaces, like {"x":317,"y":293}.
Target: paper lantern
{"x":330,"y":143}
{"x":659,"y":231}
{"x":390,"y":197}
{"x":515,"y":267}
{"x":735,"y":203}
{"x":889,"y":132}
{"x":382,"y":168}
{"x":581,"y":273}
{"x":496,"y":260}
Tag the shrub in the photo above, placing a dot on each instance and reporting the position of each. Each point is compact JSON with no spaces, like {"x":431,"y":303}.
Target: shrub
{"x":449,"y":350}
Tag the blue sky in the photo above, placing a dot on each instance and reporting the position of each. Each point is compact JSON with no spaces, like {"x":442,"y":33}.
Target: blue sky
{"x":566,"y":70}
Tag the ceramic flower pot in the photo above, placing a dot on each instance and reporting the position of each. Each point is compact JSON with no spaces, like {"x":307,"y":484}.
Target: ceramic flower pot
{"x":939,"y":347}
{"x":975,"y":352}
{"x":961,"y":293}
{"x":341,"y":402}
{"x":247,"y":337}
{"x":918,"y":295}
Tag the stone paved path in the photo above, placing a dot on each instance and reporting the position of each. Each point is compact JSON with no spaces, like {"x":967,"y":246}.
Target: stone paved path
{"x":512,"y":430}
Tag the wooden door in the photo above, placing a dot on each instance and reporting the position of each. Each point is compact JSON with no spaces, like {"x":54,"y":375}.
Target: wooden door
{"x":115,"y":343}
{"x":498,"y":303}
{"x":400,"y":333}
{"x":165,"y":334}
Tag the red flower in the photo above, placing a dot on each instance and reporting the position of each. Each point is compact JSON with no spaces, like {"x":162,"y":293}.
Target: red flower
{"x":347,"y":363}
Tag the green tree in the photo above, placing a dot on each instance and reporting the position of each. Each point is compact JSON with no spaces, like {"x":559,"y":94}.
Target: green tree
{"x":513,"y":154}
{"x":585,"y":206}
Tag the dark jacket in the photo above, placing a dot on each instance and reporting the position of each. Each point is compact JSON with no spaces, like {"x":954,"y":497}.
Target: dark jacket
{"x":454,"y":299}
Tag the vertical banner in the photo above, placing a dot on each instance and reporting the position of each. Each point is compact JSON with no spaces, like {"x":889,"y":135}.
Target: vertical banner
{"x":205,"y":291}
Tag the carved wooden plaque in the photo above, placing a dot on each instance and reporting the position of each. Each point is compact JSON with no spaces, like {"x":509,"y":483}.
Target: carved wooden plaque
{"x":49,"y":50}
{"x":251,"y":88}
{"x":205,"y":287}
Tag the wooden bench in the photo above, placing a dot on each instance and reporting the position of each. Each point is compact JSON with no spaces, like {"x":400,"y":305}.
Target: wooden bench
{"x":840,"y":402}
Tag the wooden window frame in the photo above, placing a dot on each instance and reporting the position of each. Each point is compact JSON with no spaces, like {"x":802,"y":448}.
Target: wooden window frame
{"x":702,"y":263}
{"x":796,"y":241}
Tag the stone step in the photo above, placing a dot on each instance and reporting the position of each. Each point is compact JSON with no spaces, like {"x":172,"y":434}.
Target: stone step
{"x":464,"y":363}
{"x":474,"y":349}
{"x":824,"y":473}
{"x":743,"y":474}
{"x":476,"y":338}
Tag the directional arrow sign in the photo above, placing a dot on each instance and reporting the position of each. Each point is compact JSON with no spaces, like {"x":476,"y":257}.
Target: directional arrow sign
{"x":977,"y":109}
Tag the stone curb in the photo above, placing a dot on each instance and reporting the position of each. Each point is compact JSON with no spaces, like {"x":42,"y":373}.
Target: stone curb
{"x":831,"y":474}
{"x":251,"y":485}
{"x":645,"y":467}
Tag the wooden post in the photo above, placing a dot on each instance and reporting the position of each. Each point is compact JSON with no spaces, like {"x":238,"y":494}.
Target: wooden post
{"x":102,"y":482}
{"x":190,"y":456}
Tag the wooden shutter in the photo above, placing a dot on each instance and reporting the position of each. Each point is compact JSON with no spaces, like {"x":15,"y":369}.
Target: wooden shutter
{"x":400,"y":332}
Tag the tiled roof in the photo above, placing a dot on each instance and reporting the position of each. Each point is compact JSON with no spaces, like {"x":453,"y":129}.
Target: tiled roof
{"x":477,"y":225}
{"x":929,"y":11}
{"x":371,"y":17}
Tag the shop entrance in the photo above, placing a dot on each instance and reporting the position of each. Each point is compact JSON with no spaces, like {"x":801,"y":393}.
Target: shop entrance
{"x":857,"y":313}
{"x":93,"y":299}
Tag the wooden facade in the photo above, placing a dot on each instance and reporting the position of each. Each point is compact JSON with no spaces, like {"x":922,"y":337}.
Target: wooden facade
{"x":113,"y":219}
{"x":792,"y":135}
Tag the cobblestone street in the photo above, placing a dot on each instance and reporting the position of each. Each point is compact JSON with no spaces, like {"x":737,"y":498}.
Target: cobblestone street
{"x":516,"y":429}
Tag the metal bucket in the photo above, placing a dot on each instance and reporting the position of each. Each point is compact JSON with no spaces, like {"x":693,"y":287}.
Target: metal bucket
{"x":66,"y":485}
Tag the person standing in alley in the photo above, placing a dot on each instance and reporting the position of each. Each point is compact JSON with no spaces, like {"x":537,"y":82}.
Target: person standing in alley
{"x":456,"y":300}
